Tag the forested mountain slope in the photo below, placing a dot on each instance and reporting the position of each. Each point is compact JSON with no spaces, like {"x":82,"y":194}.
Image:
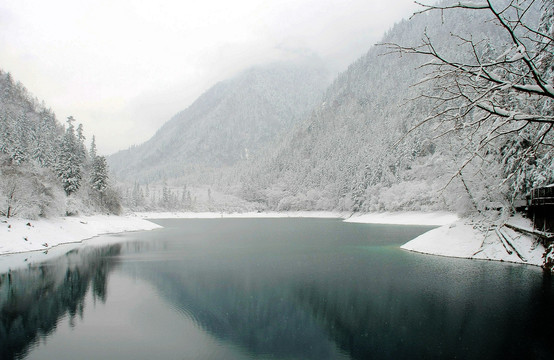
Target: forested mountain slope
{"x":46,"y":169}
{"x":353,"y":152}
{"x":233,"y":120}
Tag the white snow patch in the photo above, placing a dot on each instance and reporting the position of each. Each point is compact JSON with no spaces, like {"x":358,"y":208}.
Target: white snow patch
{"x":465,"y":239}
{"x":457,"y":240}
{"x":405,"y":218}
{"x":21,"y":235}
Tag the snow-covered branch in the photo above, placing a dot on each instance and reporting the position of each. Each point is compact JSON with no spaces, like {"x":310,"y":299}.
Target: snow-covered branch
{"x":458,"y":5}
{"x":497,"y":92}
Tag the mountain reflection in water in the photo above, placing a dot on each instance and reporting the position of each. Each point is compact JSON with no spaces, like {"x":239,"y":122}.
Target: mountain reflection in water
{"x":367,"y":316}
{"x":34,"y":299}
{"x":280,"y":289}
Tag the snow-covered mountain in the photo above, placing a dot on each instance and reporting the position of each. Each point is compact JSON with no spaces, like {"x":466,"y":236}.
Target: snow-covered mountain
{"x":353,"y":154}
{"x":358,"y":147}
{"x":232,"y":121}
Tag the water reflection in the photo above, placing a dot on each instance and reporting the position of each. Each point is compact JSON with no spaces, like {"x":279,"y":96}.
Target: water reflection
{"x":378,"y":319}
{"x":341,"y":299}
{"x":287,"y":289}
{"x":34,"y":299}
{"x":261,"y":319}
{"x":404,"y":320}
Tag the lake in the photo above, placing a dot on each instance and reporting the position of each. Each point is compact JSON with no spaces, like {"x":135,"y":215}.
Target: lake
{"x":272,"y":289}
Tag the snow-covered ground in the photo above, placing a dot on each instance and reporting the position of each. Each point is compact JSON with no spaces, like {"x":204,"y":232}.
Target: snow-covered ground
{"x":469,"y":239}
{"x":398,"y":218}
{"x":20,"y":235}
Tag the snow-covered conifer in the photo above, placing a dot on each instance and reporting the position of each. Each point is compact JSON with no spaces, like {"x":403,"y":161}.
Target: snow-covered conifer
{"x":69,"y":162}
{"x":99,"y":174}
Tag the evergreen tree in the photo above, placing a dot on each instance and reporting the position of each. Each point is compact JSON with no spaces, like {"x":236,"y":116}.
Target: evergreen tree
{"x":81,"y":148}
{"x":93,"y":151}
{"x":43,"y":148}
{"x":69,"y":161}
{"x":99,"y":174}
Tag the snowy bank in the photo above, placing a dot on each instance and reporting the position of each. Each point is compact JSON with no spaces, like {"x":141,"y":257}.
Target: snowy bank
{"x":467,"y":239}
{"x":459,"y":238}
{"x":21,"y":235}
{"x":405,"y":218}
{"x":245,"y":215}
{"x":398,"y":218}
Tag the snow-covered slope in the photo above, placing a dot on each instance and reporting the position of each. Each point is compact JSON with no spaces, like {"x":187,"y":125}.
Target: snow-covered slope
{"x":232,"y":121}
{"x":469,"y":239}
{"x":353,"y":154}
{"x":21,"y":235}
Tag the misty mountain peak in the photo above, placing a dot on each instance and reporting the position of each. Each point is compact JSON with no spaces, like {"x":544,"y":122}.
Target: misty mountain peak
{"x":230,"y":122}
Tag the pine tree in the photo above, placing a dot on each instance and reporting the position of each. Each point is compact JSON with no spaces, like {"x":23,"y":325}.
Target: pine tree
{"x":99,"y":174}
{"x":81,"y":148}
{"x":44,"y":150}
{"x":69,"y":160}
{"x":93,"y":151}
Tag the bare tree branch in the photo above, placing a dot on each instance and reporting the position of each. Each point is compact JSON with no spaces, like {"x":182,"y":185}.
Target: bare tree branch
{"x":496,"y":94}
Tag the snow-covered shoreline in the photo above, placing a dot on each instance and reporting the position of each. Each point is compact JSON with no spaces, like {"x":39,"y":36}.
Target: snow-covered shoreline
{"x":393,"y":218}
{"x":244,"y":215}
{"x":405,"y":218}
{"x":454,"y":238}
{"x":23,"y":235}
{"x":469,"y":239}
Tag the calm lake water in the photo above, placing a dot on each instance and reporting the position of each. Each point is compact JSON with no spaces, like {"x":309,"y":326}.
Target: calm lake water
{"x":272,"y":289}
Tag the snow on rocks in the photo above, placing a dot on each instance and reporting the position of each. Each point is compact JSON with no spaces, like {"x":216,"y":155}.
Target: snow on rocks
{"x":21,"y":235}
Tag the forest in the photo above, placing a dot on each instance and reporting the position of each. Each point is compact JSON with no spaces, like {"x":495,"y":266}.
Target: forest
{"x":46,"y":169}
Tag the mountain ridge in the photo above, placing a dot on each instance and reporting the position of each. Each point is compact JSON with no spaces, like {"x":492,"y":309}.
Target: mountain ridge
{"x":230,"y":122}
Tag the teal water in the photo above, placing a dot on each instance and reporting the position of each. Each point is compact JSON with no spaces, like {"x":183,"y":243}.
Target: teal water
{"x":272,"y":289}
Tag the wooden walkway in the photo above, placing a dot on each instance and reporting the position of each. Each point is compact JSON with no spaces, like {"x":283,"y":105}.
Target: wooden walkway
{"x":541,"y":208}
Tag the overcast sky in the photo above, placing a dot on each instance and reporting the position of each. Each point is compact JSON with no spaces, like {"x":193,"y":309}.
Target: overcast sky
{"x":124,"y":67}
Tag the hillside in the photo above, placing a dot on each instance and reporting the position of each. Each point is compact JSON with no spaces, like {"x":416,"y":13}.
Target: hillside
{"x":353,"y":154}
{"x":45,"y":169}
{"x":232,"y":121}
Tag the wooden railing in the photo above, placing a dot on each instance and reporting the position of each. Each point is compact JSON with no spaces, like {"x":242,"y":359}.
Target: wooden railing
{"x":541,"y":208}
{"x":542,"y":196}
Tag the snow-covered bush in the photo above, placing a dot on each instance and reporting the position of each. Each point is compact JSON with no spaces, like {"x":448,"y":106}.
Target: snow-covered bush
{"x":29,"y":192}
{"x":74,"y":205}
